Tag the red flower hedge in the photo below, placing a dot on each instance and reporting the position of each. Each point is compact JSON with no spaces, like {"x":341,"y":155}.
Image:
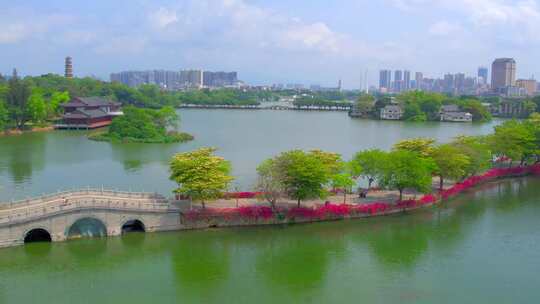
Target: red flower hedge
{"x":256,"y":212}
{"x":342,"y":210}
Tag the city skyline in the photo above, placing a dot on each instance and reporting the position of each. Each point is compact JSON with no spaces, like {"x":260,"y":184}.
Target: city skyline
{"x":270,"y":42}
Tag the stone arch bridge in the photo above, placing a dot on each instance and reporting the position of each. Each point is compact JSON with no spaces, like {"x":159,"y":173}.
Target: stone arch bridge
{"x":63,"y":215}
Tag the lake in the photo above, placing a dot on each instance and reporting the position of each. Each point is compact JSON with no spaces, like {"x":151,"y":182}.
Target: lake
{"x":481,"y":247}
{"x":37,"y":163}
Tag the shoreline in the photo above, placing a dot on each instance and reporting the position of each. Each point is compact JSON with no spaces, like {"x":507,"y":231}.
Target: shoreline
{"x":160,"y":214}
{"x":245,"y":216}
{"x":17,"y":132}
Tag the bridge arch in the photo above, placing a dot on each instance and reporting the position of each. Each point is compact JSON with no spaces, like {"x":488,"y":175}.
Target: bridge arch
{"x":133,"y":225}
{"x":86,"y":227}
{"x":37,"y":235}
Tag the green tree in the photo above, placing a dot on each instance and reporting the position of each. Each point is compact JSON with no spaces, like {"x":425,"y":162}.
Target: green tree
{"x":370,"y":164}
{"x":365,"y":104}
{"x":408,"y":170}
{"x":515,"y":140}
{"x":451,"y":163}
{"x":412,"y":112}
{"x":477,"y":150}
{"x":57,"y":99}
{"x":17,"y":100}
{"x":145,"y":125}
{"x":421,"y":106}
{"x":343,"y":181}
{"x":423,"y":146}
{"x":331,"y":161}
{"x":530,"y":107}
{"x":381,"y":103}
{"x":200,"y":174}
{"x":4,"y":115}
{"x":270,"y":181}
{"x":36,"y":107}
{"x":475,"y":107}
{"x":305,"y":175}
{"x":167,"y":118}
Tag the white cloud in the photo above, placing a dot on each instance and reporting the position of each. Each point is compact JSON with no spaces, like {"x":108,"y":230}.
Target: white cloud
{"x":163,"y":17}
{"x":445,"y":28}
{"x":12,"y":33}
{"x":223,"y":21}
{"x":485,"y":14}
{"x":17,"y":26}
{"x":122,"y":45}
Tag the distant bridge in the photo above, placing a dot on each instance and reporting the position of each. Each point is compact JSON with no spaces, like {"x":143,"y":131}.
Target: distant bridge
{"x":340,"y":107}
{"x":90,"y":212}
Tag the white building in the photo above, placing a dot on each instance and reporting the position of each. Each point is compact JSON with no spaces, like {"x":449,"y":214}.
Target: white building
{"x":452,"y":113}
{"x":391,"y":112}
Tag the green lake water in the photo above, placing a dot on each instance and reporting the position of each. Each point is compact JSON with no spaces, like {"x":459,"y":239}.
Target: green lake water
{"x":482,"y":247}
{"x":38,"y":163}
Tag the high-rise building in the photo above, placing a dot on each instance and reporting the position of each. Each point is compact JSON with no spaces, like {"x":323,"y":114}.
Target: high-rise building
{"x":68,"y":72}
{"x":406,"y":80}
{"x":503,"y":73}
{"x":419,"y":79}
{"x":219,"y":79}
{"x":448,"y":83}
{"x":529,"y":85}
{"x":175,"y":80}
{"x":398,"y":81}
{"x":385,"y":79}
{"x":482,"y":75}
{"x":459,"y":83}
{"x":192,"y":78}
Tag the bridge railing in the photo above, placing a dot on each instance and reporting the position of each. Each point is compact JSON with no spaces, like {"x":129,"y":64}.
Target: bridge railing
{"x":81,"y":203}
{"x":88,"y":191}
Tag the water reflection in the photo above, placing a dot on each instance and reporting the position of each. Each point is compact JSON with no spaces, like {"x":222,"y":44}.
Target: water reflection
{"x":22,"y":155}
{"x":299,"y":267}
{"x":200,"y":261}
{"x":423,"y":255}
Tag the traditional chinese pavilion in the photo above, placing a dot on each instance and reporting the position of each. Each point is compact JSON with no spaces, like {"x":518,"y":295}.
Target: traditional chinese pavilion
{"x":89,"y":113}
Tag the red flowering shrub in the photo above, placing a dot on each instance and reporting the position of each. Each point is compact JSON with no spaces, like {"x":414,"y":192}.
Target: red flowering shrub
{"x":427,"y":199}
{"x":406,"y":204}
{"x":333,"y":210}
{"x":256,"y":212}
{"x":341,"y":210}
{"x":301,"y":212}
{"x":372,"y":208}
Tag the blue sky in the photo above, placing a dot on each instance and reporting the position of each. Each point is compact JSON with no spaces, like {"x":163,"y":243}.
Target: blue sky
{"x":276,"y":41}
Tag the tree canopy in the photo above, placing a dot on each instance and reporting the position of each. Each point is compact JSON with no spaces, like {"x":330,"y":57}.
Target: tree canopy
{"x":515,"y":140}
{"x":369,"y":164}
{"x":423,"y":146}
{"x":145,"y":125}
{"x":300,"y":175}
{"x":407,"y":170}
{"x":451,"y":163}
{"x":200,"y":174}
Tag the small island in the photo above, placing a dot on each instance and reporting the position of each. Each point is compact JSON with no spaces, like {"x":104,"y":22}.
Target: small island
{"x":144,"y":126}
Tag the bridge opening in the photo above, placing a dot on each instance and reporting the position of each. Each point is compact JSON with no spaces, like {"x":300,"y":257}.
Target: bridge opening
{"x":87,"y":228}
{"x":37,"y":235}
{"x":133,"y":226}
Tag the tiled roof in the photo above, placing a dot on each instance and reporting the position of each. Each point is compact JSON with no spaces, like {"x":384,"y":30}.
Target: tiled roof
{"x":86,"y":114}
